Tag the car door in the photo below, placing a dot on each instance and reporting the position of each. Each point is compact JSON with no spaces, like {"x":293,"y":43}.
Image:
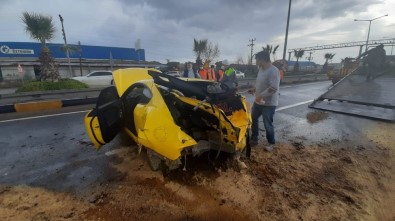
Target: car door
{"x":105,"y":121}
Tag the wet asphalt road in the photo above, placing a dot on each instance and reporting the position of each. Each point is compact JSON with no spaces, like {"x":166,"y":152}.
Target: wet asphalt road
{"x":54,"y":152}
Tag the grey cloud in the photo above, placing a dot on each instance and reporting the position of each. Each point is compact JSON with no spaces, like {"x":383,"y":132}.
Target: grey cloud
{"x":330,"y":9}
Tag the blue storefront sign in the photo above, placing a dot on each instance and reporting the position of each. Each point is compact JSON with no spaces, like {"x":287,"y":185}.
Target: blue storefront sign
{"x":32,"y":50}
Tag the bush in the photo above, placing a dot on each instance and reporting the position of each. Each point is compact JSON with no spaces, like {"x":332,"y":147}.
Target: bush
{"x":49,"y":86}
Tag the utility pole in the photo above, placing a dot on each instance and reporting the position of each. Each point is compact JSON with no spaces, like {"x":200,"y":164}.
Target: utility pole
{"x":80,"y":50}
{"x":65,"y":45}
{"x":286,"y":31}
{"x":252,"y":47}
{"x":370,"y":23}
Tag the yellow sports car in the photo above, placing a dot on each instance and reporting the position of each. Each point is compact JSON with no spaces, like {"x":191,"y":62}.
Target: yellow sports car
{"x":170,"y":117}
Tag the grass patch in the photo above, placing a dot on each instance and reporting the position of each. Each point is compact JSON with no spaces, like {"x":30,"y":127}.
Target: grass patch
{"x":50,"y":86}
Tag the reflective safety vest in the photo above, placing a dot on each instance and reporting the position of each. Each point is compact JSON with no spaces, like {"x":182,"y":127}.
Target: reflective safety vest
{"x":281,"y":74}
{"x":229,"y":75}
{"x":203,"y":74}
{"x":230,"y":71}
{"x":211,"y":74}
{"x":220,"y":75}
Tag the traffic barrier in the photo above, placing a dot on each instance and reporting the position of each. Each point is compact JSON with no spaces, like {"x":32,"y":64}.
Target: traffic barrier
{"x":38,"y":105}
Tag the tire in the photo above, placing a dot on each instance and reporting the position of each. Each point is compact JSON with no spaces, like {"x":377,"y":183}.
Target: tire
{"x":154,"y":161}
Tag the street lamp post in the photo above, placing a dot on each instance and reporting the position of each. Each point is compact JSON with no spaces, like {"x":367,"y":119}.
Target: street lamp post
{"x":370,"y":22}
{"x":286,"y":31}
{"x":66,"y":47}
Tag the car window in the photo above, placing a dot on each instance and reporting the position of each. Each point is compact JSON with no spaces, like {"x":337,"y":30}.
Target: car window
{"x":139,"y":94}
{"x":94,"y":74}
{"x":100,"y":73}
{"x":105,"y":73}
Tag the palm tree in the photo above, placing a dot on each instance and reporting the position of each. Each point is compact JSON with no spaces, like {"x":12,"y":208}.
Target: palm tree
{"x":199,"y":47}
{"x":298,"y":54}
{"x":268,"y":48}
{"x":41,"y":28}
{"x":328,"y":56}
{"x":271,"y":49}
{"x":274,"y":51}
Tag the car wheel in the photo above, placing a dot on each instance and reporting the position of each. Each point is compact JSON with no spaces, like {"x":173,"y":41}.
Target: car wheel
{"x":154,"y":161}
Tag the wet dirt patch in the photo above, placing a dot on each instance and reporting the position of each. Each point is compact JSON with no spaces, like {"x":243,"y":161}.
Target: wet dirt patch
{"x":316,"y":116}
{"x":333,"y":182}
{"x":200,"y":170}
{"x":28,"y":203}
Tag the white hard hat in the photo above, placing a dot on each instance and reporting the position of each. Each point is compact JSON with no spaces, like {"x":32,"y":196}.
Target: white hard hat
{"x":225,"y":62}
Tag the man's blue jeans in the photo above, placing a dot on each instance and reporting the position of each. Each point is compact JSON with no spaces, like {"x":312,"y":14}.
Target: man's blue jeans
{"x":267,"y":113}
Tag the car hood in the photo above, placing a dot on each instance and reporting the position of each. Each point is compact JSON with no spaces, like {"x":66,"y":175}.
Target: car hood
{"x":123,"y":78}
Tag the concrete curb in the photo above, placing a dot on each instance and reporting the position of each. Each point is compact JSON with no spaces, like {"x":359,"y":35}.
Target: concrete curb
{"x":45,"y":105}
{"x":37,"y":106}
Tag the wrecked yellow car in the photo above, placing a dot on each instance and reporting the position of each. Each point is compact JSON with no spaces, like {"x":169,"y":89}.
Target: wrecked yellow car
{"x":170,"y":117}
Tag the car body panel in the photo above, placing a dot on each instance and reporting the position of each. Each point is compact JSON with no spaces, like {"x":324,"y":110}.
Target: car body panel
{"x":153,"y":122}
{"x":156,"y":128}
{"x":124,"y":78}
{"x":146,"y":108}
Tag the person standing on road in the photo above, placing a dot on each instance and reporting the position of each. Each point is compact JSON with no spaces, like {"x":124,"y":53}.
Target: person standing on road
{"x":219,"y":72}
{"x":202,"y":73}
{"x":229,"y":75}
{"x":189,"y":72}
{"x":211,"y":73}
{"x":375,"y":59}
{"x":267,"y":89}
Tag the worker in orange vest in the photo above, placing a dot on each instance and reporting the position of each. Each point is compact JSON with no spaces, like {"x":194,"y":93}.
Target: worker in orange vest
{"x":211,"y":73}
{"x":203,"y":73}
{"x":219,"y":73}
{"x":280,"y":65}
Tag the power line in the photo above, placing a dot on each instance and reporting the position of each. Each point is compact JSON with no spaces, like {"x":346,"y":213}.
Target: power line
{"x":252,"y":47}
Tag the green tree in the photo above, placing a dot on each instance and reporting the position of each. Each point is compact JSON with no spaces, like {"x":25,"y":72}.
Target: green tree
{"x":272,"y":50}
{"x":41,"y":28}
{"x":298,"y":54}
{"x":328,"y":56}
{"x":199,"y":47}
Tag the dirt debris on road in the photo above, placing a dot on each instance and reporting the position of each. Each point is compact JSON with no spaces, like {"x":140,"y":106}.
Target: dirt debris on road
{"x":334,"y":181}
{"x":316,"y":116}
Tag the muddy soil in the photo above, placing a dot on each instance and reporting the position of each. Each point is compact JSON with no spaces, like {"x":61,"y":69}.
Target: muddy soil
{"x":297,"y":181}
{"x":316,"y":116}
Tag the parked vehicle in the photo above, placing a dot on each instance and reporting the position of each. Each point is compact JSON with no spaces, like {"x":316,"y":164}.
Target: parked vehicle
{"x":97,"y":78}
{"x":240,"y":75}
{"x":173,"y":73}
{"x":170,"y":117}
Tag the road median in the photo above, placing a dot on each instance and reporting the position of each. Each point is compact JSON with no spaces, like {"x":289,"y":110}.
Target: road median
{"x":44,"y":100}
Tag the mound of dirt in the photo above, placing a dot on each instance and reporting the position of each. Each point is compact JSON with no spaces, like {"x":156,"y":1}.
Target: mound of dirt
{"x":294,"y":182}
{"x":316,"y":116}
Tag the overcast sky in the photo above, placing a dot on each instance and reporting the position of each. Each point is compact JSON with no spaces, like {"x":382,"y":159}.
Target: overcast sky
{"x":167,"y":27}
